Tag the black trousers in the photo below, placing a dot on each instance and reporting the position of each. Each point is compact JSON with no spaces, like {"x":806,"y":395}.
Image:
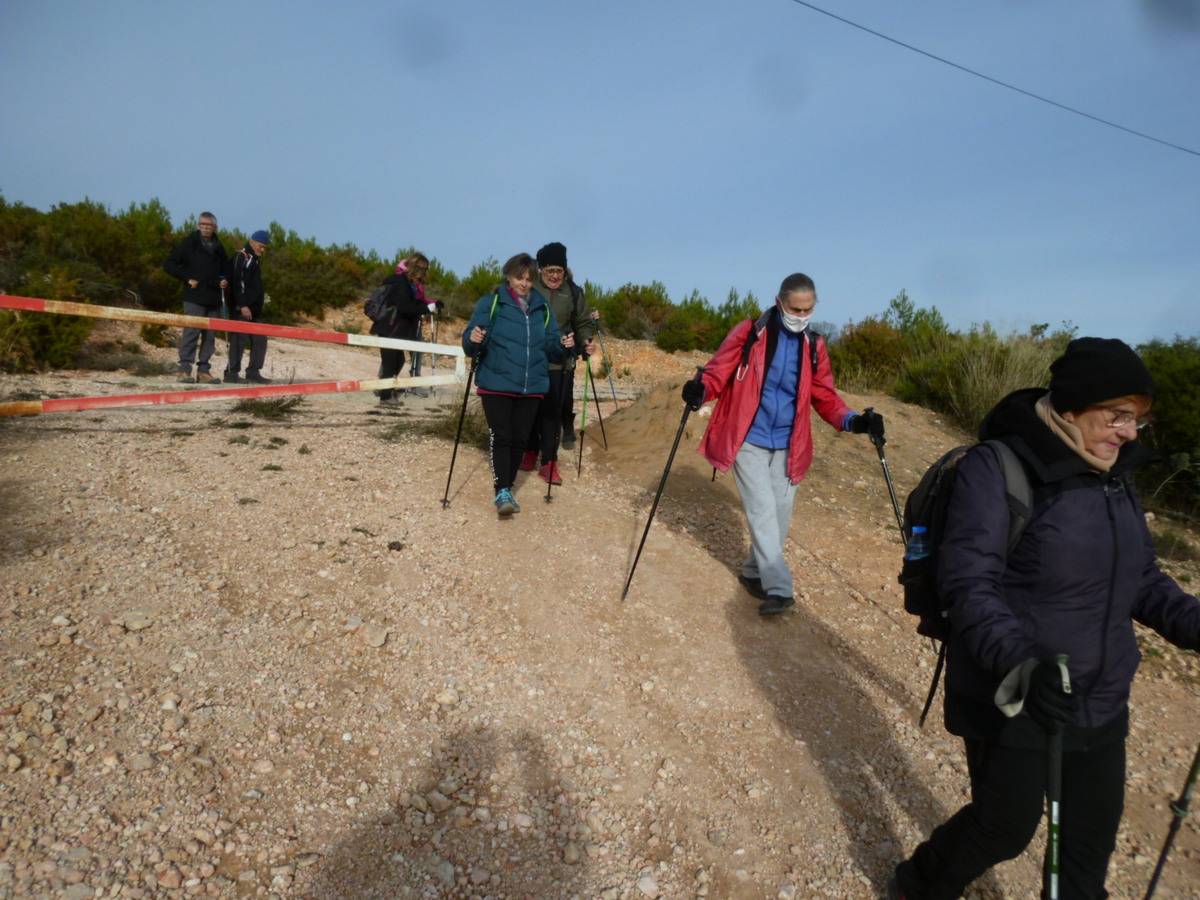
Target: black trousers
{"x":1008,"y":789}
{"x":391,"y":364}
{"x":256,"y":343}
{"x":510,"y":419}
{"x":554,"y":409}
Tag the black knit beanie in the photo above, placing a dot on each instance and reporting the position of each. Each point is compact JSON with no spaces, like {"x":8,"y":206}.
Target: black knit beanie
{"x":1094,"y":370}
{"x":553,"y":254}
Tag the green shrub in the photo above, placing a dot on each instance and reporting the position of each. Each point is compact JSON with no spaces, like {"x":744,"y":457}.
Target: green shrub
{"x":31,"y":341}
{"x":445,"y":425}
{"x":268,"y":408}
{"x":157,"y":336}
{"x":867,"y":356}
{"x":634,"y":311}
{"x":1174,"y":544}
{"x":690,"y":325}
{"x":1175,"y":479}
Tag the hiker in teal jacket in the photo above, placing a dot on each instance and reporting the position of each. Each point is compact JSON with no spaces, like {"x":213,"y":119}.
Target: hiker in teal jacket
{"x":515,"y":336}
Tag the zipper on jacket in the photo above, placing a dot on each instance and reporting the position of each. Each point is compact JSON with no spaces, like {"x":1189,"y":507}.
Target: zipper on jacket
{"x":1112,"y":581}
{"x":528,"y":338}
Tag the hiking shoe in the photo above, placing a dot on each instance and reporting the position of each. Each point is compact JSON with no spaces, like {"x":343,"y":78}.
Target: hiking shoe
{"x":529,"y":460}
{"x":774,"y":605}
{"x":568,"y":439}
{"x":231,"y":379}
{"x":207,"y":378}
{"x":185,"y":378}
{"x":753,"y":587}
{"x":516,"y":505}
{"x":505,"y":504}
{"x":257,"y":379}
{"x":549,"y":473}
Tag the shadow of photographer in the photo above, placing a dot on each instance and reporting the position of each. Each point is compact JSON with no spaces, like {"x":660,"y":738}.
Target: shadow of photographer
{"x":488,"y":815}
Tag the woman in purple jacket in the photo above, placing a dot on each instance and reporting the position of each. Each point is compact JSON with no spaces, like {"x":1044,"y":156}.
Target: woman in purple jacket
{"x":1082,"y":573}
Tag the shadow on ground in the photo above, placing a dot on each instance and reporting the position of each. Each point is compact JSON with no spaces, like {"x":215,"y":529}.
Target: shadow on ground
{"x":488,"y":815}
{"x":823,"y":691}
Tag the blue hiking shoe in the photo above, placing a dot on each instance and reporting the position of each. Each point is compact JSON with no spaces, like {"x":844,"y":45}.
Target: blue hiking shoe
{"x":505,"y":504}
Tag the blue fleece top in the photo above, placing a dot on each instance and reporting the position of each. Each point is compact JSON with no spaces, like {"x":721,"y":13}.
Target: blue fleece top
{"x":772,"y":426}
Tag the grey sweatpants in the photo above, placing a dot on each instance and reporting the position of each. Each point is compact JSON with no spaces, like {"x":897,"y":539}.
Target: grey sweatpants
{"x":207,"y":339}
{"x":767,"y":498}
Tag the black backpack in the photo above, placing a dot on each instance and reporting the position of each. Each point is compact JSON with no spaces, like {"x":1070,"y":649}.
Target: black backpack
{"x":761,"y":323}
{"x":375,"y":307}
{"x":927,"y":505}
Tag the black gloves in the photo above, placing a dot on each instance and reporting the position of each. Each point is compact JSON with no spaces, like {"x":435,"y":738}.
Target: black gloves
{"x":693,"y":393}
{"x":867,"y":422}
{"x":1046,"y":702}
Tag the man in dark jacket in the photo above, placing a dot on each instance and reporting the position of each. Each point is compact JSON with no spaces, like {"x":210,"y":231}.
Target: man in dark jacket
{"x":1082,"y":573}
{"x":199,"y":261}
{"x":246,"y":303}
{"x":402,"y":318}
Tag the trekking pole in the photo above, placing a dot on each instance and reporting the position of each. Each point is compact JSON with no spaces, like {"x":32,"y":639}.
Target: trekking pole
{"x":1054,"y":746}
{"x":879,"y":441}
{"x":596,"y":399}
{"x":462,"y":413}
{"x":607,"y":364}
{"x":582,"y":428}
{"x":658,"y":494}
{"x":433,"y":320}
{"x":1179,"y":811}
{"x":562,"y":389}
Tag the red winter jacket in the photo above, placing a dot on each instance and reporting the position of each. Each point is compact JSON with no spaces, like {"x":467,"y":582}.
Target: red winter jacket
{"x":738,"y":395}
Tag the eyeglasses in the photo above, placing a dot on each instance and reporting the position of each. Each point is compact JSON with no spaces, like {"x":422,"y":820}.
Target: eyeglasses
{"x":553,"y":272}
{"x":1124,"y":419}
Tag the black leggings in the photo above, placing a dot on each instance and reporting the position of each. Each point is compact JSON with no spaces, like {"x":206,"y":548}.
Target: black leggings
{"x":1007,"y":791}
{"x":553,"y":411}
{"x":391,"y":364}
{"x":510,"y":420}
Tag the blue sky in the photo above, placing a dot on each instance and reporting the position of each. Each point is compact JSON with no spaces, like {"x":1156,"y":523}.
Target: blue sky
{"x":704,"y":144}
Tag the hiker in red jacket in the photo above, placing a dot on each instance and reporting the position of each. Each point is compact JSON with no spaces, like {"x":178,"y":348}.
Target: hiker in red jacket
{"x":766,"y":375}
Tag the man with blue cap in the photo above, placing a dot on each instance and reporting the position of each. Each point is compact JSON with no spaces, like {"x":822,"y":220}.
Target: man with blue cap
{"x":247,"y":303}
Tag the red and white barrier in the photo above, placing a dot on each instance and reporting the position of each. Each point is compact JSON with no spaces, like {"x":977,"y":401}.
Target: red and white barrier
{"x":167,"y":398}
{"x":241,"y":326}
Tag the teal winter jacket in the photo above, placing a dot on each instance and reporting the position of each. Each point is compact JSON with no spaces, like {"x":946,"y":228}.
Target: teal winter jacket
{"x":519,"y":346}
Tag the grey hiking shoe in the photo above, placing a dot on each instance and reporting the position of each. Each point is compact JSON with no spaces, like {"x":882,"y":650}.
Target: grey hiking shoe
{"x":773,"y":605}
{"x":753,"y":587}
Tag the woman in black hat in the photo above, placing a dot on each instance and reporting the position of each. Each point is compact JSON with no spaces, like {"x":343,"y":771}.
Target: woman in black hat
{"x":1082,"y":572}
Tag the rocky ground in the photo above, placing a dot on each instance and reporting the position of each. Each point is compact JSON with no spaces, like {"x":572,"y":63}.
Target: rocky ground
{"x":254,"y":657}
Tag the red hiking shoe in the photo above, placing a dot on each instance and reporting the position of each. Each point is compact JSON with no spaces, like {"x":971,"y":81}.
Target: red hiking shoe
{"x":550,"y":474}
{"x":529,"y":460}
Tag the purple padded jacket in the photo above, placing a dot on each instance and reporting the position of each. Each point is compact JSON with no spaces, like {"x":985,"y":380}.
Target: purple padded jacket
{"x":1083,"y":572}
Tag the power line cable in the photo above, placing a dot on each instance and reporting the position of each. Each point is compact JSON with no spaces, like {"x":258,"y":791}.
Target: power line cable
{"x":997,"y":81}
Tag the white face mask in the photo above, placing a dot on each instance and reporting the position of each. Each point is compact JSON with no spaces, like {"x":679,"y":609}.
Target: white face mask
{"x":794,"y":324}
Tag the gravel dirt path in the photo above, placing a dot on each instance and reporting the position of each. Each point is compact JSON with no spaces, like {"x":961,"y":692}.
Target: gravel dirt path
{"x":245,"y":657}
